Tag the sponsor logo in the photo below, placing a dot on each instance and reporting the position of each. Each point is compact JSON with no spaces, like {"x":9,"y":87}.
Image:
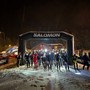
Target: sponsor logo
{"x":46,"y":35}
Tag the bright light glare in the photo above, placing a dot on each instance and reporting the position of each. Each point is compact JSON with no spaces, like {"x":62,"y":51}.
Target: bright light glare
{"x":9,"y":45}
{"x":78,"y":73}
{"x":62,"y":49}
{"x":3,"y":52}
{"x":16,"y":53}
{"x":49,"y":53}
{"x":45,"y":50}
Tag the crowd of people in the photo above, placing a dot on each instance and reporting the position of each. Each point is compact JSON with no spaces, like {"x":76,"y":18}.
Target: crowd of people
{"x":50,"y":58}
{"x":47,"y":59}
{"x":85,"y":60}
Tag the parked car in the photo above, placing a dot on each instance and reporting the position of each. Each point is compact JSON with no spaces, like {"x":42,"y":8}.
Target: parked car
{"x":3,"y":59}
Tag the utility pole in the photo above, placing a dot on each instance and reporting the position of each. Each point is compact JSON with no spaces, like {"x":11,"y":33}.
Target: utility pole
{"x":22,"y":26}
{"x":3,"y":37}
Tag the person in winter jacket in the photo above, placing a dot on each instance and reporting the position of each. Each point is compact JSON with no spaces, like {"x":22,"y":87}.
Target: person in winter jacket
{"x":85,"y":61}
{"x":35,"y":58}
{"x":27,"y":59}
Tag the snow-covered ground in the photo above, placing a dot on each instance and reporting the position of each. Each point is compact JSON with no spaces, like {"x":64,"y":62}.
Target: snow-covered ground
{"x":23,"y":78}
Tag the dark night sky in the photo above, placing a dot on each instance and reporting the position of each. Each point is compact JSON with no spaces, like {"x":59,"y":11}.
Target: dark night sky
{"x":70,"y":15}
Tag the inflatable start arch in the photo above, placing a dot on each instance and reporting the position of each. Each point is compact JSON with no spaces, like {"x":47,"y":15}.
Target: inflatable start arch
{"x":44,"y":35}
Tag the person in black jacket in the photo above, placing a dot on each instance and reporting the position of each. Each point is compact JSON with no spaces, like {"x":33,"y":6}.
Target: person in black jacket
{"x":66,"y":63}
{"x":57,"y":61}
{"x":18,"y":59}
{"x":27,"y":59}
{"x":89,"y":56}
{"x":85,"y":61}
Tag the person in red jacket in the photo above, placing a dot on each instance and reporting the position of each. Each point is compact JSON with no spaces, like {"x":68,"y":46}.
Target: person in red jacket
{"x":35,"y":58}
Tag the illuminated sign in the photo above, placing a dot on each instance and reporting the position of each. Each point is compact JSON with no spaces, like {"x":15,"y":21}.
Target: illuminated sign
{"x":46,"y":35}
